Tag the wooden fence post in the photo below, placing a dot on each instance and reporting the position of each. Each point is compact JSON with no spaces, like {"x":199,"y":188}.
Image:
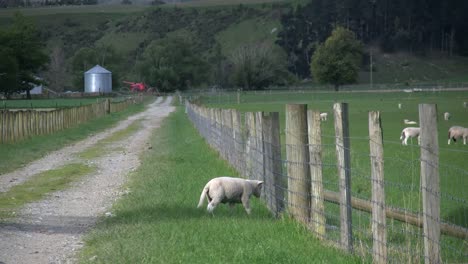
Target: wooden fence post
{"x":430,"y":182}
{"x":315,"y":153}
{"x":379,"y":228}
{"x":259,"y":157}
{"x":344,"y":172}
{"x":297,"y":160}
{"x":250,"y":145}
{"x":273,"y":165}
{"x":237,"y":138}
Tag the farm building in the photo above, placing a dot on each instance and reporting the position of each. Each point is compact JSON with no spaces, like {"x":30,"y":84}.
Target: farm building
{"x":98,"y":80}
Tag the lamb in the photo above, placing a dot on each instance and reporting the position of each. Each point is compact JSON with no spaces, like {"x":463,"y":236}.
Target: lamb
{"x":230,"y":190}
{"x":446,"y":116}
{"x":410,"y":132}
{"x":456,"y":132}
{"x":399,"y":105}
{"x":323,"y":116}
{"x":408,"y":122}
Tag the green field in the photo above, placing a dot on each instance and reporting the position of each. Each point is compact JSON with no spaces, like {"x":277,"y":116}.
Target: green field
{"x":402,"y":165}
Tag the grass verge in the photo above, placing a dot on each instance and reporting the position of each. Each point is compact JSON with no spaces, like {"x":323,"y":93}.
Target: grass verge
{"x":158,"y":222}
{"x":15,"y":155}
{"x":38,"y":186}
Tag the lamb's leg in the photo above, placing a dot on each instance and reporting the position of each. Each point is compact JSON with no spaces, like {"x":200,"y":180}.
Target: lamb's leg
{"x":405,"y":141}
{"x":464,"y":140}
{"x":419,"y":140}
{"x":212,"y":205}
{"x":246,"y":203}
{"x":448,"y":143}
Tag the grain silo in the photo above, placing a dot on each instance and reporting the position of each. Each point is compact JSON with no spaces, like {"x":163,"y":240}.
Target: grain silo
{"x":98,"y":80}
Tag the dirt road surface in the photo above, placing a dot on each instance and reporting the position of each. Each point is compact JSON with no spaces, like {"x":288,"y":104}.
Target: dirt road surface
{"x":51,"y":230}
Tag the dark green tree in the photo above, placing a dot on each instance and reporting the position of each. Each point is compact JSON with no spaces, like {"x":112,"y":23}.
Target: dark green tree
{"x":171,"y":64}
{"x":21,"y":48}
{"x":338,"y":59}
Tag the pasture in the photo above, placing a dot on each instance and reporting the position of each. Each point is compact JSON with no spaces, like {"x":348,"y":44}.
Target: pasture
{"x":402,"y":164}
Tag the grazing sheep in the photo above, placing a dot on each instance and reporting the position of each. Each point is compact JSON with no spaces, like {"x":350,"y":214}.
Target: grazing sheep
{"x":399,"y":105}
{"x":408,"y":122}
{"x":465,"y":104}
{"x":323,"y":116}
{"x":457,"y":132}
{"x":446,"y":116}
{"x":410,"y":132}
{"x":230,"y":190}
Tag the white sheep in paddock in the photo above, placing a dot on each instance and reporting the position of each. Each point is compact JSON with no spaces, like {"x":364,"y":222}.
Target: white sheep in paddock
{"x":409,"y":122}
{"x":457,"y":132}
{"x":446,"y":116}
{"x":410,"y":132}
{"x":399,"y":105}
{"x":323,"y":116}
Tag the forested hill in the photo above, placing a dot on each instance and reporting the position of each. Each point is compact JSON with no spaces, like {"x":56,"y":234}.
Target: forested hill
{"x":208,"y":44}
{"x":416,"y":26}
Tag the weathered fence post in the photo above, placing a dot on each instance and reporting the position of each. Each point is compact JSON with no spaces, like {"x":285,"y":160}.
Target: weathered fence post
{"x":250,"y":145}
{"x":259,"y":158}
{"x":344,"y":172}
{"x":315,"y":153}
{"x":237,"y":138}
{"x":272,"y":162}
{"x":297,"y":160}
{"x":379,"y":231}
{"x":430,"y":182}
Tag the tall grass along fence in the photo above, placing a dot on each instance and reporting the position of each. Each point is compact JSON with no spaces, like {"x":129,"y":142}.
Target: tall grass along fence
{"x":16,"y":125}
{"x":391,"y":208}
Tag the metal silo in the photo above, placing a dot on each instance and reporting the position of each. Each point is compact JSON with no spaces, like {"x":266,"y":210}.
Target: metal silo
{"x":98,"y":80}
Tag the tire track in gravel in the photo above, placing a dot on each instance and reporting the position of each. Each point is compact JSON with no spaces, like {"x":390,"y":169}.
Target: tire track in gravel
{"x":51,"y":230}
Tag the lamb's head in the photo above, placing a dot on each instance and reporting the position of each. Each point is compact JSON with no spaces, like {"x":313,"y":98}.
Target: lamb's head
{"x":257,"y":188}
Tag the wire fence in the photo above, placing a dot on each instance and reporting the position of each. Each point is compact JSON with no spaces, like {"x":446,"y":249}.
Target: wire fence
{"x":400,"y":208}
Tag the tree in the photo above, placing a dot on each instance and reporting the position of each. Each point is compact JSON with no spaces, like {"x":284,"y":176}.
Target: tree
{"x":256,"y":66}
{"x":21,"y":47}
{"x":171,"y":63}
{"x":337,"y":60}
{"x":56,"y":75}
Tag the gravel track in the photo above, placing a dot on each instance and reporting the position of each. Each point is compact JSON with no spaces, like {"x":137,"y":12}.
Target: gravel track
{"x":51,"y":230}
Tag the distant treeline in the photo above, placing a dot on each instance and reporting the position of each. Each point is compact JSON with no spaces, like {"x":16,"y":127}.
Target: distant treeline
{"x":415,"y":26}
{"x":29,"y":3}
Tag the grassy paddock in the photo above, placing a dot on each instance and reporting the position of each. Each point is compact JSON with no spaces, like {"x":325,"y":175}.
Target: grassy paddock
{"x":402,"y":165}
{"x":158,"y":222}
{"x":38,"y":146}
{"x":53,"y":103}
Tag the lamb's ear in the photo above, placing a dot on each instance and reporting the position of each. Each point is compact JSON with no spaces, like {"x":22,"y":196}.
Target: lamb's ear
{"x":259,"y":184}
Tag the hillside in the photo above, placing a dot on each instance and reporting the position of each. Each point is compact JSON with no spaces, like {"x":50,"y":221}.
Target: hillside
{"x":212,"y":25}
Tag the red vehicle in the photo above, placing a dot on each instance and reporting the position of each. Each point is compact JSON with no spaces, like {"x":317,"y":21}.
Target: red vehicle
{"x":136,"y":87}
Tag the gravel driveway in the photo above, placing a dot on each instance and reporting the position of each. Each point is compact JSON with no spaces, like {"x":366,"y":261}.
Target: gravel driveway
{"x":51,"y":230}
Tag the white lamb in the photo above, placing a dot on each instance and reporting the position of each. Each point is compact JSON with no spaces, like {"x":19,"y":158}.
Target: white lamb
{"x":457,"y":132}
{"x":409,"y":122}
{"x":230,"y":190}
{"x":446,"y":116}
{"x":323,"y":116}
{"x":410,"y":132}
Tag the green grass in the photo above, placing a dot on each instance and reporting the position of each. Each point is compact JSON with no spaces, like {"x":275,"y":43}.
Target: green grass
{"x":15,"y":155}
{"x":158,"y":222}
{"x":39,"y":185}
{"x":104,"y":145}
{"x":402,"y":165}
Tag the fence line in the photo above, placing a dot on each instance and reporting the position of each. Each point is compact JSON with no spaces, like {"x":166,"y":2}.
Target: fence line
{"x":17,"y":125}
{"x":303,"y":186}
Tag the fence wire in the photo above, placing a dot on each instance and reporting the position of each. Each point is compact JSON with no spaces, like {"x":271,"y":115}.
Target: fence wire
{"x":240,"y":140}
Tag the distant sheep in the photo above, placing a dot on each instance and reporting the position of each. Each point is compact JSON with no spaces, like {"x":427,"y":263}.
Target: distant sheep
{"x":457,"y":132}
{"x":410,"y":132}
{"x":446,"y":116}
{"x":408,"y":122}
{"x":399,"y":105}
{"x":324,"y":116}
